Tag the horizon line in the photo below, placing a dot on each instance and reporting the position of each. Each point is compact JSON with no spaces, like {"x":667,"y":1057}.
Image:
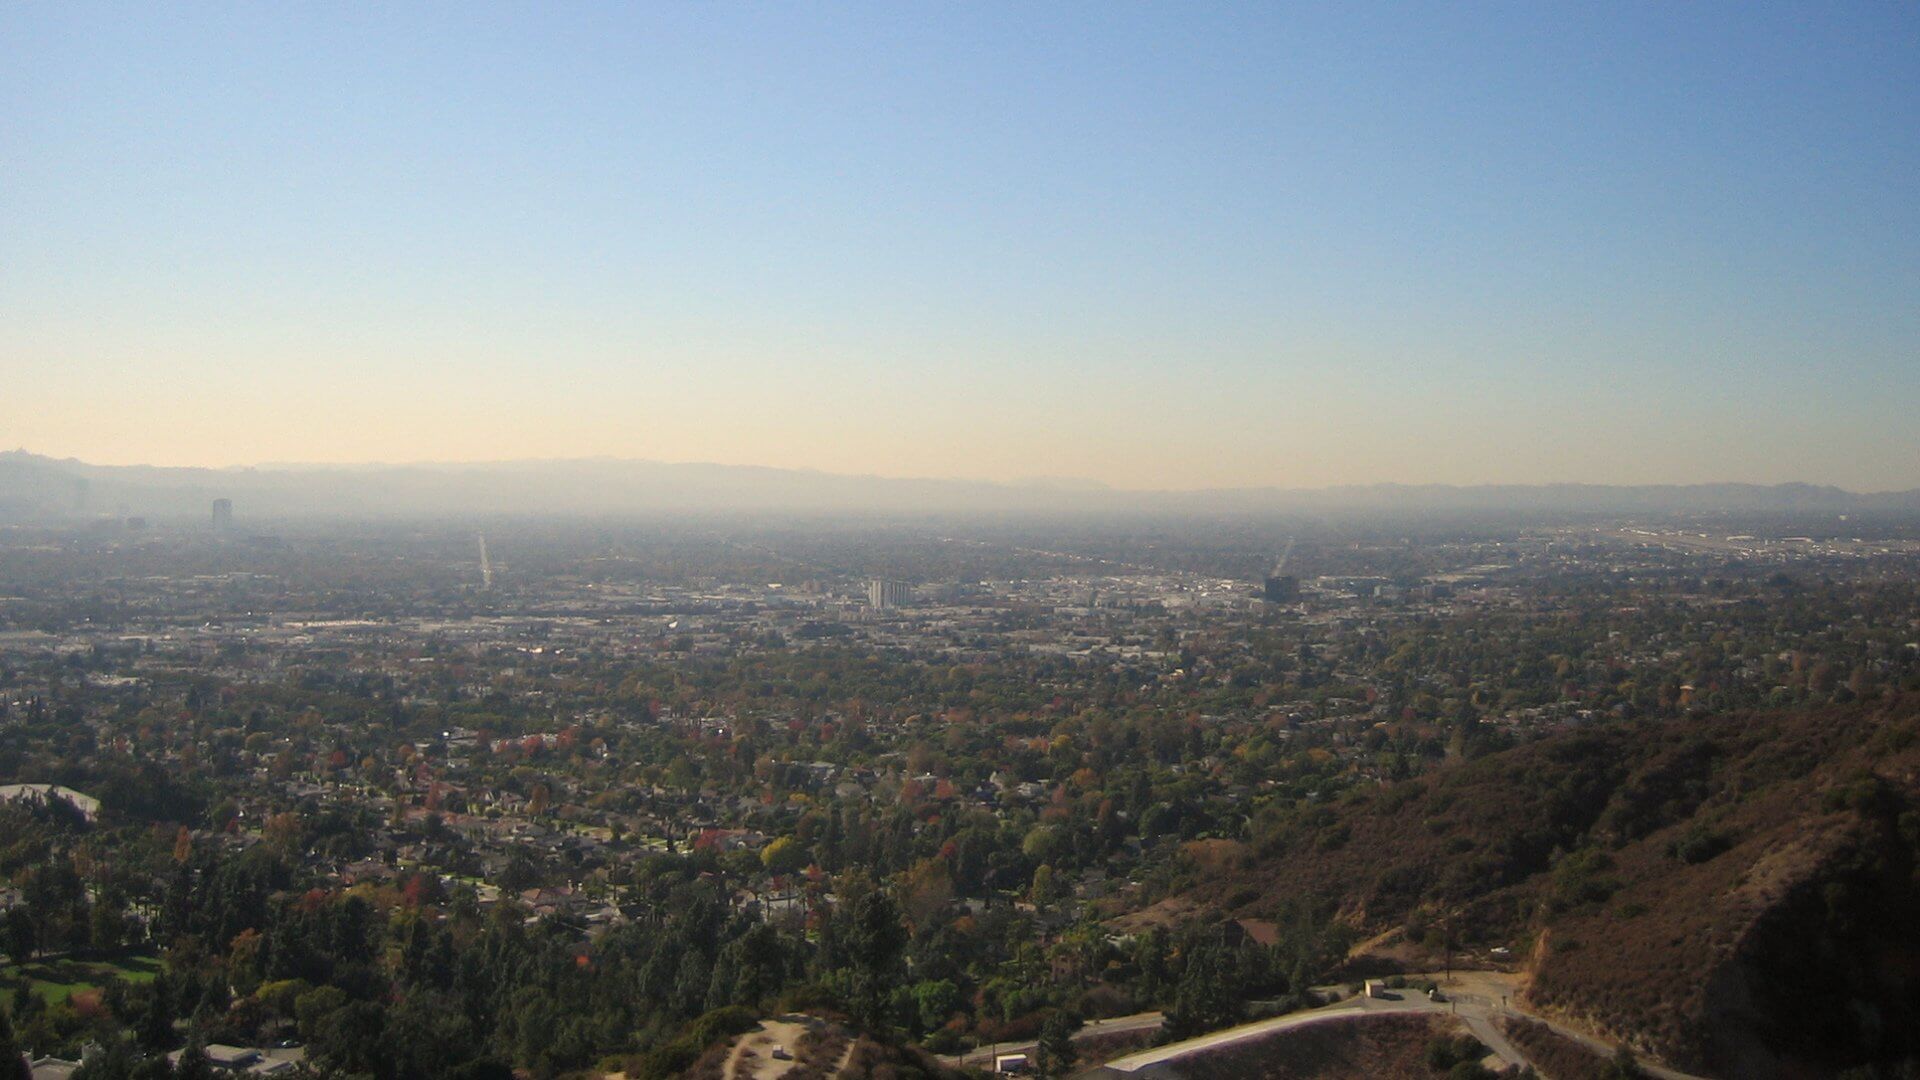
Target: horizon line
{"x":1065,"y":484}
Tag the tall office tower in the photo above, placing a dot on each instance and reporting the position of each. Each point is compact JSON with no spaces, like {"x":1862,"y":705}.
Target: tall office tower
{"x":882,"y":594}
{"x":1281,"y":589}
{"x":222,"y":515}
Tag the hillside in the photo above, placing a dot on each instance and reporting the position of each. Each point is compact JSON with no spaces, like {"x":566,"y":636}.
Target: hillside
{"x":1380,"y":1046}
{"x":1736,"y":895}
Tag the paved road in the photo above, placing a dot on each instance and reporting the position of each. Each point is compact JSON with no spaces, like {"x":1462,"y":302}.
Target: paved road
{"x":1117,"y":1025}
{"x":1159,"y":1061}
{"x":1478,"y":999}
{"x":1480,"y":1011}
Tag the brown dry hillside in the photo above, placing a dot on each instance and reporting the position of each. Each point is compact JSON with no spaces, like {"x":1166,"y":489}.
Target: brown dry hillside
{"x":1356,"y":1050}
{"x":1556,"y":1055}
{"x":1736,"y":894}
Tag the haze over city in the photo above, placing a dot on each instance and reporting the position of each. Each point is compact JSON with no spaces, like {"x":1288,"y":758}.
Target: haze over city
{"x":1162,"y":247}
{"x":932,"y":541}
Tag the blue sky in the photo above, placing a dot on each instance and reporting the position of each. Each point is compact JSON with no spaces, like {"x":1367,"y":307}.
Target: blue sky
{"x":1156,"y":245}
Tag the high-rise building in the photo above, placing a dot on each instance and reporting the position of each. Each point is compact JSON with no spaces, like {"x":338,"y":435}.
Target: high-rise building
{"x":1281,"y":589}
{"x":222,"y":515}
{"x":882,"y":594}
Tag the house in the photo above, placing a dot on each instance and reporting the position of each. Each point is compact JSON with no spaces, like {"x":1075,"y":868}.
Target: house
{"x":246,"y":1059}
{"x":52,"y":1068}
{"x":550,"y":902}
{"x":231,"y":1058}
{"x":365,"y":870}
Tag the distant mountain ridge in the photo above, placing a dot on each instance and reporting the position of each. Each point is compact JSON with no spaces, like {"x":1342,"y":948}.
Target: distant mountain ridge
{"x":37,"y":487}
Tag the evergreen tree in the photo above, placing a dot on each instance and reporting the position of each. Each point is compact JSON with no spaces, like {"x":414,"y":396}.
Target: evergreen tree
{"x":193,"y":1062}
{"x":13,"y":1064}
{"x":154,"y":1028}
{"x":874,"y":941}
{"x":23,"y":938}
{"x":1208,"y":995}
{"x":1057,"y":1053}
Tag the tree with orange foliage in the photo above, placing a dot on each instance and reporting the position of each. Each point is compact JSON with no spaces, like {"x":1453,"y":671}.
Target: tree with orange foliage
{"x":926,"y":891}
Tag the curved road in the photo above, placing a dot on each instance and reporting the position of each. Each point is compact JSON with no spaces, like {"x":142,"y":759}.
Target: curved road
{"x":1478,"y":999}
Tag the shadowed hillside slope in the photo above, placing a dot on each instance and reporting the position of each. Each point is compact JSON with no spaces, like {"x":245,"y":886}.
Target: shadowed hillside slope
{"x":1359,"y":1050}
{"x":1735,"y":894}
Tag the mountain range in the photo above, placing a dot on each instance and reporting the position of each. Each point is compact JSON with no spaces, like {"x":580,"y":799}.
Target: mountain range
{"x":36,"y":487}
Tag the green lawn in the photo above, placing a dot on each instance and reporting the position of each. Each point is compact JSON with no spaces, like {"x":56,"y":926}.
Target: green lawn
{"x":58,"y":980}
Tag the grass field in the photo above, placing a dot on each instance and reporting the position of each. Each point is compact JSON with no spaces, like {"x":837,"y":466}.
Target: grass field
{"x":58,"y":980}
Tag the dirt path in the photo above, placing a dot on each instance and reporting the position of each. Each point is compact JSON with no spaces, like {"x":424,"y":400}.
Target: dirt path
{"x":846,"y":1056}
{"x":752,"y":1057}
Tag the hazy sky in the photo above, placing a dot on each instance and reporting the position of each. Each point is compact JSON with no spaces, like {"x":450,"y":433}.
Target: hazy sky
{"x":1165,"y":245}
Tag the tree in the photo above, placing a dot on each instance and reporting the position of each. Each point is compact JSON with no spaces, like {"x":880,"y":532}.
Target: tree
{"x":519,"y":873}
{"x":153,"y":1067}
{"x":154,"y":1028}
{"x":13,"y":1064}
{"x":785,"y":856}
{"x":1624,"y":1065}
{"x":243,"y":961}
{"x":926,"y":891}
{"x":874,"y":942}
{"x":352,"y":1039}
{"x":1043,"y":890}
{"x":1044,"y":843}
{"x":1208,"y":995}
{"x":1459,"y":1057}
{"x":425,"y":1034}
{"x":1056,"y":1051}
{"x":934,"y":1001}
{"x":751,"y":967}
{"x":193,"y":1063}
{"x":312,"y":1008}
{"x":23,"y":938}
{"x":109,"y":926}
